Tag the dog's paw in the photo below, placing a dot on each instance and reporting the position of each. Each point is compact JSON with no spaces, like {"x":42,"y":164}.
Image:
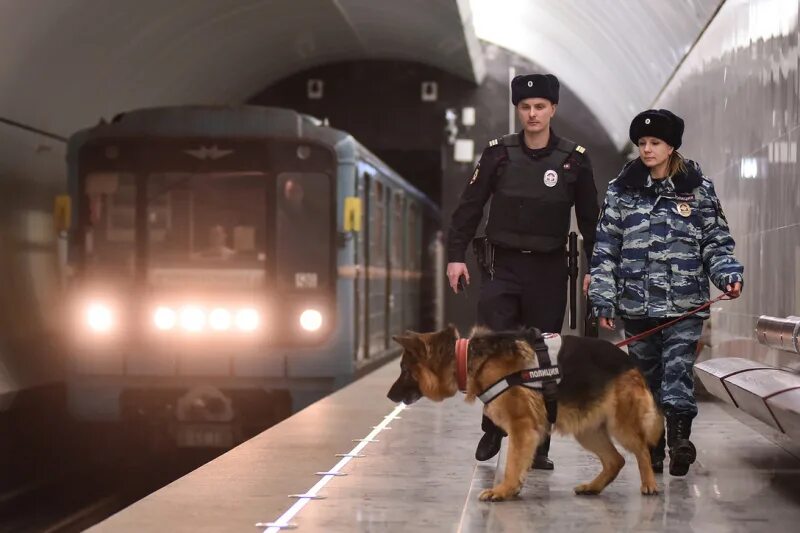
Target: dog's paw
{"x":649,"y":489}
{"x":497,"y":494}
{"x":587,"y":489}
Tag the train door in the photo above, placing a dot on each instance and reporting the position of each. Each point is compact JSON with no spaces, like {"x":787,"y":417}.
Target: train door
{"x":377,"y":268}
{"x":396,"y":281}
{"x":363,"y":262}
{"x":360,"y":264}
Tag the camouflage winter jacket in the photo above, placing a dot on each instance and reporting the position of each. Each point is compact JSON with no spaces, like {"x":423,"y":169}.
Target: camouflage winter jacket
{"x":658,"y":242}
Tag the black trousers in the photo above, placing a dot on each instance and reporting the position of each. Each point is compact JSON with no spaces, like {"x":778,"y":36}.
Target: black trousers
{"x":527,"y":290}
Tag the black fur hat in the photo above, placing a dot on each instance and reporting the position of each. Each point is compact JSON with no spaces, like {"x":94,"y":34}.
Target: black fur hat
{"x":660,"y":123}
{"x":534,"y":86}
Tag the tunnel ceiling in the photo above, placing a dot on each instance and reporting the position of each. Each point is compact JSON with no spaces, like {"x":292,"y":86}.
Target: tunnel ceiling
{"x":615,"y":55}
{"x":65,"y":64}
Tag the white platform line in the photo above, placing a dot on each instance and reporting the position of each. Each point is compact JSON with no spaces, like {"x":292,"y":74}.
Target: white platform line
{"x":475,"y":472}
{"x":284,"y":519}
{"x":460,"y":528}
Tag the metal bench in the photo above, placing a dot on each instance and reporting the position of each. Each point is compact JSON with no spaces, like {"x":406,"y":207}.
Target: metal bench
{"x":769,"y":394}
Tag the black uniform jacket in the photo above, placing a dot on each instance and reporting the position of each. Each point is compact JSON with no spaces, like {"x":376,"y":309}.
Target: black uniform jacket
{"x":481,"y":185}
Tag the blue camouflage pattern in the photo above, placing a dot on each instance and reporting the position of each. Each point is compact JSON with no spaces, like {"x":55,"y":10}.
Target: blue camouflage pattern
{"x":658,"y":242}
{"x":666,"y":359}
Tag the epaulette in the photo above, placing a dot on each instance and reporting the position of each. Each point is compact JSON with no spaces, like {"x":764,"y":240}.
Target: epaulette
{"x":566,"y":146}
{"x":495,"y":142}
{"x":580,"y":149}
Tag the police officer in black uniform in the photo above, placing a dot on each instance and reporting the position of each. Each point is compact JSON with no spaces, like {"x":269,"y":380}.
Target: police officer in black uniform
{"x":534,"y":178}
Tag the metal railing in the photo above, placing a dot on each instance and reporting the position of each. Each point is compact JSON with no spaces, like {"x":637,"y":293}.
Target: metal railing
{"x":780,"y":333}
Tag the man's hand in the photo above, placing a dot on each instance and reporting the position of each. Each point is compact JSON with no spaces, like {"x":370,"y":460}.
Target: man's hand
{"x":455,"y":271}
{"x":734,"y":290}
{"x":586,"y":279}
{"x":607,"y":323}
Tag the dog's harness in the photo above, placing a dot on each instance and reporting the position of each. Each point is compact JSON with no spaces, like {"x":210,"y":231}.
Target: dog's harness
{"x":544,"y":378}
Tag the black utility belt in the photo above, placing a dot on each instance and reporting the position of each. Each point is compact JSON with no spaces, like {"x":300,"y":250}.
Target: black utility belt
{"x":485,"y":252}
{"x":502,"y":249}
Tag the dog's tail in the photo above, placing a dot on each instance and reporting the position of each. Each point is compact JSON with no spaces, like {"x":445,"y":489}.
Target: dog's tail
{"x":656,"y":428}
{"x":653,"y":420}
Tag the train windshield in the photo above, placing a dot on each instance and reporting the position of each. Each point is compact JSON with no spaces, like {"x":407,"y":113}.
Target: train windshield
{"x":215,"y":220}
{"x":212,"y":219}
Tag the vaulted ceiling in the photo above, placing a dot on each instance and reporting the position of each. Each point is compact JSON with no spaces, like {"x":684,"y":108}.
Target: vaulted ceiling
{"x":65,"y":64}
{"x":616,"y":55}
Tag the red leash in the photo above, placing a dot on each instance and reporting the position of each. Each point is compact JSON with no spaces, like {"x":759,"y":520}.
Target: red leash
{"x":649,"y":332}
{"x":462,"y":349}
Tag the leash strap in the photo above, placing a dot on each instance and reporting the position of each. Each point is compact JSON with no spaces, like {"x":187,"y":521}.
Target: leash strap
{"x":684,"y":316}
{"x":462,"y":349}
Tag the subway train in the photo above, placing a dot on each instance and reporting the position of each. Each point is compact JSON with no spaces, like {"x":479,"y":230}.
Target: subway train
{"x":229,"y":265}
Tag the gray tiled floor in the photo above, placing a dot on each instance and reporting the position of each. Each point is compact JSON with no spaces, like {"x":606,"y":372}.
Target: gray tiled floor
{"x":421,"y":476}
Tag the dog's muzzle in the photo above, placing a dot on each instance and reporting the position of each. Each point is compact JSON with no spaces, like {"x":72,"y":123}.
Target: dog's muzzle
{"x":405,"y":390}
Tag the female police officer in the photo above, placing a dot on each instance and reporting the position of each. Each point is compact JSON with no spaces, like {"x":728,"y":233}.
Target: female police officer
{"x":661,"y":234}
{"x":533,"y":178}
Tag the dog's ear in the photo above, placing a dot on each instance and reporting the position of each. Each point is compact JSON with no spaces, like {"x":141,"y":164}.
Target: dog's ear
{"x":411,"y":342}
{"x":451,"y":328}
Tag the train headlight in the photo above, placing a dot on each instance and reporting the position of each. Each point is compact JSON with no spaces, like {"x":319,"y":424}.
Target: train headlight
{"x":311,"y":320}
{"x":165,"y":318}
{"x":220,"y":319}
{"x":192,"y":318}
{"x":99,"y":317}
{"x":247,"y":319}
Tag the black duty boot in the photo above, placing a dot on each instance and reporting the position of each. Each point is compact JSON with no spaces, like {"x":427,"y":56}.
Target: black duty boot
{"x":682,"y":452}
{"x":489,"y":444}
{"x":657,"y":454}
{"x":540,"y":460}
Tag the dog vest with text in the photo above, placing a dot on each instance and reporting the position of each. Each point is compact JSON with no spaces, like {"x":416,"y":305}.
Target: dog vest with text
{"x":545,"y":377}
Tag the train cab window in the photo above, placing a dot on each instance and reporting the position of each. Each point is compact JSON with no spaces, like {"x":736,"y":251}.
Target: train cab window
{"x":109,"y":222}
{"x":214,"y":219}
{"x":303,"y":230}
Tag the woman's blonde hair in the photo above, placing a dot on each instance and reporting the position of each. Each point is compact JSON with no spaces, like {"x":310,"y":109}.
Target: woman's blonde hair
{"x":676,"y":164}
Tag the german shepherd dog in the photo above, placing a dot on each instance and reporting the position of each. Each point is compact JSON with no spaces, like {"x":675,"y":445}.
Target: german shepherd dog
{"x":601,"y":395}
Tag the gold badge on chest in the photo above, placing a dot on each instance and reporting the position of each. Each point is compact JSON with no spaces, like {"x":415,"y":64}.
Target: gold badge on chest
{"x":684,"y":209}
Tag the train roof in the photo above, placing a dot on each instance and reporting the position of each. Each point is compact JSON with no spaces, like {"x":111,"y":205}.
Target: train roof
{"x":239,"y":121}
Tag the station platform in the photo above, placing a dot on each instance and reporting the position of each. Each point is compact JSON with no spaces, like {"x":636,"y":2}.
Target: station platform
{"x":416,"y":472}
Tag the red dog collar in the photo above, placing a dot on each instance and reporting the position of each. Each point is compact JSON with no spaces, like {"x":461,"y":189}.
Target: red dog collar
{"x":462,"y":348}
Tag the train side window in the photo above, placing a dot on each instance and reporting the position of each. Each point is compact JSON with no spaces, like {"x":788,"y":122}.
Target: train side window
{"x":378,"y":236}
{"x":413,"y":251}
{"x":397,"y":229}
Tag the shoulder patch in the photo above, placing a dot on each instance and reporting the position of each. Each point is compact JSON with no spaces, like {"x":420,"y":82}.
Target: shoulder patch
{"x":511,"y":139}
{"x":494,"y":142}
{"x":475,"y":174}
{"x":580,"y":149}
